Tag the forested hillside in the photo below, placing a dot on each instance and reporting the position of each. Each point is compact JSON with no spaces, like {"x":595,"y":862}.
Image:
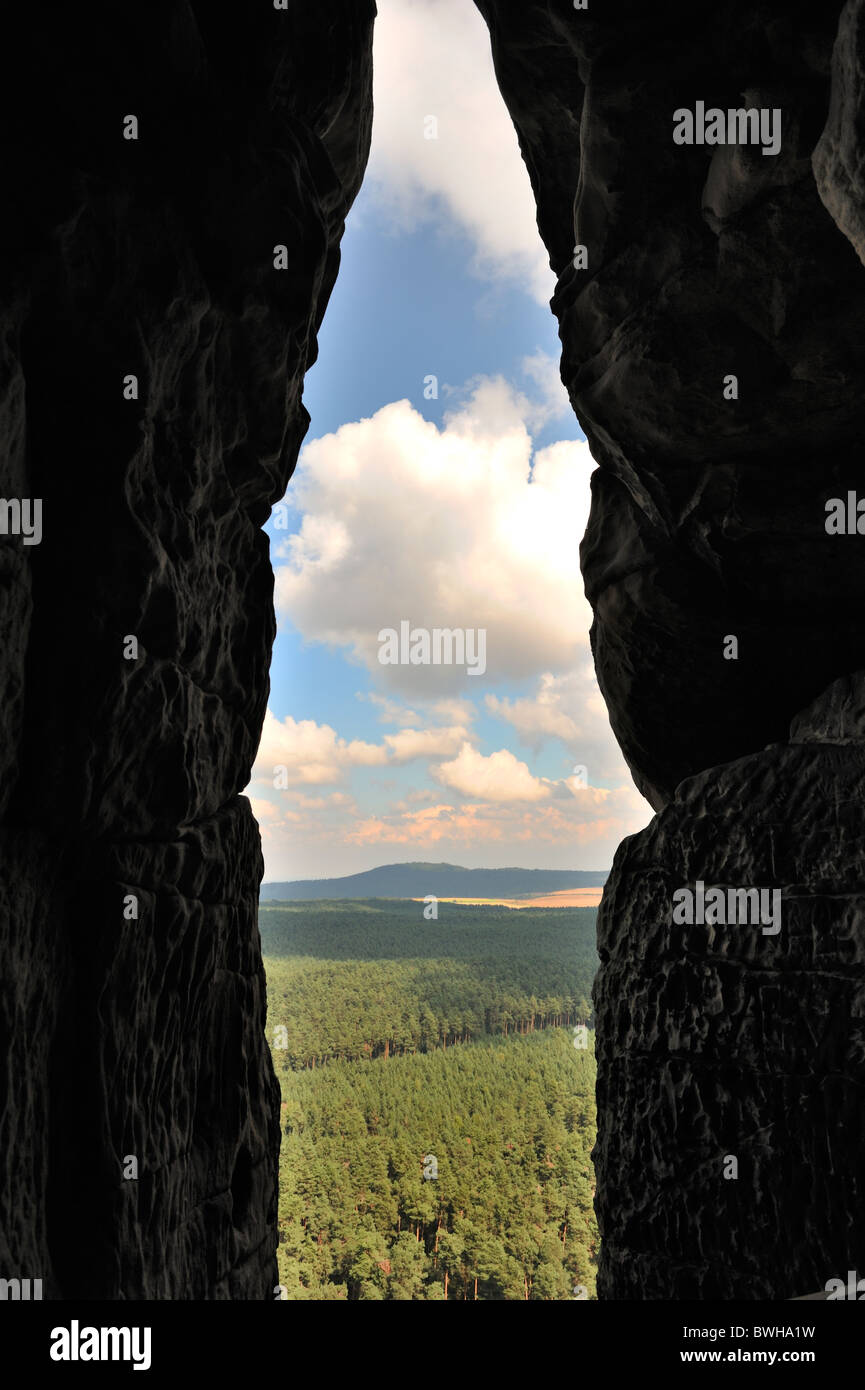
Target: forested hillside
{"x":510,"y":1125}
{"x":413,"y":1168}
{"x":363,"y":979}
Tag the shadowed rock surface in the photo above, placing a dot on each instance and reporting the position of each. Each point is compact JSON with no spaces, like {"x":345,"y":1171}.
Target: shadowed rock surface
{"x":152,"y":257}
{"x":708,"y":520}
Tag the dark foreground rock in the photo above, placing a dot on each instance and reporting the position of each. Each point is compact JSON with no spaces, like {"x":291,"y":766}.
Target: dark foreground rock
{"x":143,"y":1039}
{"x":708,"y":522}
{"x":724,"y":1041}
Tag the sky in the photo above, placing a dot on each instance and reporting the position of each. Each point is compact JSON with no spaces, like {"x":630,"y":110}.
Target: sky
{"x":443,"y":484}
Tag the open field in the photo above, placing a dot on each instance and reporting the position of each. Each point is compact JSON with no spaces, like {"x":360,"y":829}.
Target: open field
{"x":569,"y":897}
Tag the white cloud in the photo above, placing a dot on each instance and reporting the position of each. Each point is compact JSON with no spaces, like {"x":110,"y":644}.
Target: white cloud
{"x":569,"y":708}
{"x":587,"y":828}
{"x":454,"y":711}
{"x":312,"y":754}
{"x":499,"y":777}
{"x":504,"y":815}
{"x":432,"y":58}
{"x":451,"y":528}
{"x":540,"y":717}
{"x":447,"y":711}
{"x":390,"y":711}
{"x":424,"y":743}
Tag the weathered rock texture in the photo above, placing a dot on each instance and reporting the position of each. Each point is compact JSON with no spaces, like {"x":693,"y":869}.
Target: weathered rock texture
{"x":708,"y":519}
{"x":120,"y":777}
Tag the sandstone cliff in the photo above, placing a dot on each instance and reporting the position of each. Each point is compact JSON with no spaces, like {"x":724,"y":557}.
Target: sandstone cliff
{"x":707,"y":522}
{"x":153,"y":258}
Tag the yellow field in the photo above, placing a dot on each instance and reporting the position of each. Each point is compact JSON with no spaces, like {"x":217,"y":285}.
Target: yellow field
{"x":568,"y":897}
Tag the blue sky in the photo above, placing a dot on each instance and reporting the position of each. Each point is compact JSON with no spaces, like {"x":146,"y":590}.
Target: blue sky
{"x":464,"y":511}
{"x":425,"y":312}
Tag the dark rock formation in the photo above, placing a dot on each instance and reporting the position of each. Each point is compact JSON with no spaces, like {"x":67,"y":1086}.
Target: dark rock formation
{"x":708,"y":521}
{"x":151,"y":257}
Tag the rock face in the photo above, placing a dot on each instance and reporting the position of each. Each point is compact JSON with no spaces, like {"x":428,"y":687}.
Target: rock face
{"x":708,"y":521}
{"x":138,"y":1040}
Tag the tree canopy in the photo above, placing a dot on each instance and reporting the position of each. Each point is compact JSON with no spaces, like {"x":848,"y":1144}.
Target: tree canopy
{"x":437,"y":1118}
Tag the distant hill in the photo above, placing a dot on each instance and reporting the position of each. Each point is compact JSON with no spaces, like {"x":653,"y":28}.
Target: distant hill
{"x":443,"y":880}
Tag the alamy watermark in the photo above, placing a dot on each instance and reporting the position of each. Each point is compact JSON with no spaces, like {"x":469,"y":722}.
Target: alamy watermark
{"x":853,"y":1290}
{"x":728,"y":907}
{"x":20,"y":1290}
{"x":77,"y":1343}
{"x":21,"y":516}
{"x":845,"y":518}
{"x":443,"y":646}
{"x":739,"y":126}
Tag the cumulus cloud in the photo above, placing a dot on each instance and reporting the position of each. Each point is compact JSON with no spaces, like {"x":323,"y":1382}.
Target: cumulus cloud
{"x":568,"y":708}
{"x":432,"y":59}
{"x":453,"y":711}
{"x":389,"y":711}
{"x":502,"y":815}
{"x":458,"y":527}
{"x":311,"y":754}
{"x":499,"y":777}
{"x":597,"y":821}
{"x":540,"y":717}
{"x":424,"y":743}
